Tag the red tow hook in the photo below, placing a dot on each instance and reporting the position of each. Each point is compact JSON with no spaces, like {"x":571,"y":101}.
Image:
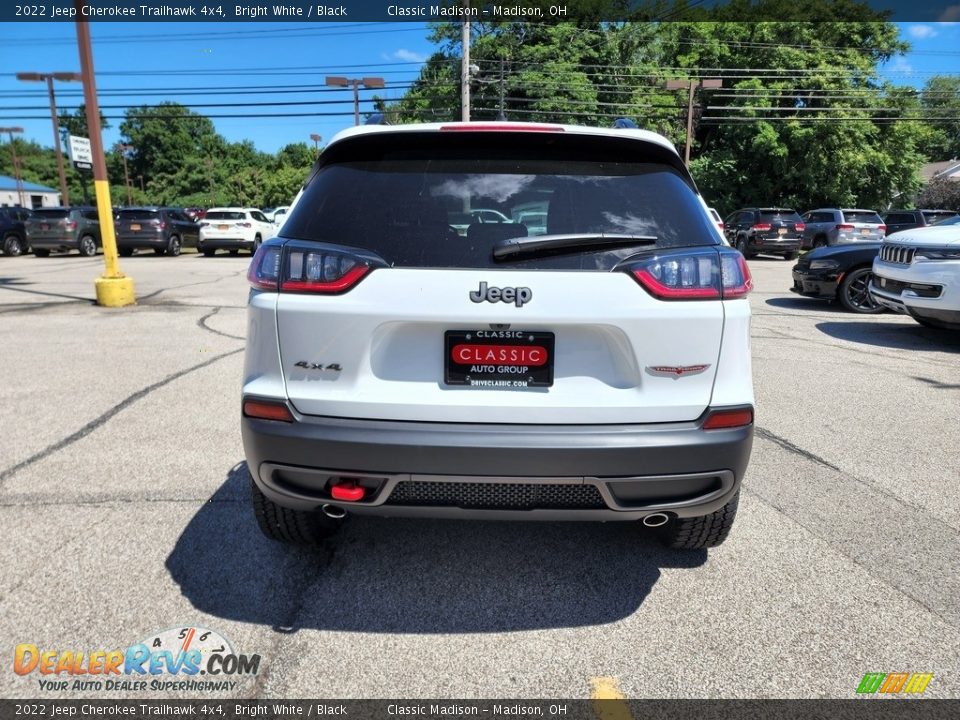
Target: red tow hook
{"x":347,"y":491}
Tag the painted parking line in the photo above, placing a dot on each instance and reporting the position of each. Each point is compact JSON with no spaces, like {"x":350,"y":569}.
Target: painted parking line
{"x":608,"y":702}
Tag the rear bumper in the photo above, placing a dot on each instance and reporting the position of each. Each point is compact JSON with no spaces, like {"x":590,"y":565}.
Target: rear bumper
{"x":677,"y":468}
{"x":141,"y":241}
{"x":224,"y":243}
{"x":71,"y":243}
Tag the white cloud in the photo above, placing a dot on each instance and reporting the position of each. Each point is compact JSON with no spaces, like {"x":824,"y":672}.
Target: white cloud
{"x":901,"y":65}
{"x":404,"y":55}
{"x":922,"y":32}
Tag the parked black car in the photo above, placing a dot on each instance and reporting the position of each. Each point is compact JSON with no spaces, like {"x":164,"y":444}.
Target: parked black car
{"x":774,"y":231}
{"x":165,"y":230}
{"x":898,"y":220}
{"x":839,"y":273}
{"x":65,"y":229}
{"x":13,"y":231}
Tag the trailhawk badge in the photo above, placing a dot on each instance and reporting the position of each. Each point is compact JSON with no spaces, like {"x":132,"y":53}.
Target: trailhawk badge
{"x":676,"y":371}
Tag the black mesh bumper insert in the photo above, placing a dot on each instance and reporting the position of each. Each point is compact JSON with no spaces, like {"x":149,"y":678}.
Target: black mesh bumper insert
{"x":497,"y":496}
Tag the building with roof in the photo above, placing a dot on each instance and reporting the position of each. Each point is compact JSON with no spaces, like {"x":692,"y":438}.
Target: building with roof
{"x":945,"y":170}
{"x":34,"y":195}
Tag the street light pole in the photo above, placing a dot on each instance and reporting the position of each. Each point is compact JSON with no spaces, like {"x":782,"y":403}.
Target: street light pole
{"x":465,"y":70}
{"x":122,"y":149}
{"x":113,"y":288}
{"x":690,"y":86}
{"x":15,"y":160}
{"x":49,"y":78}
{"x":316,"y":143}
{"x":355,"y":83}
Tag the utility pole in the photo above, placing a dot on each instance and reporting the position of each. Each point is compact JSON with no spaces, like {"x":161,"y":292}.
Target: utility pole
{"x":49,"y":78}
{"x":15,"y":160}
{"x":316,"y":143}
{"x":123,"y":149}
{"x":465,"y":69}
{"x":113,"y":288}
{"x":501,"y":115}
{"x":691,"y":85}
{"x":367,"y":82}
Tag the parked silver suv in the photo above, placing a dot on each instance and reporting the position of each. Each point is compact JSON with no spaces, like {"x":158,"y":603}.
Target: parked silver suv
{"x":600,"y":371}
{"x":832,"y":226}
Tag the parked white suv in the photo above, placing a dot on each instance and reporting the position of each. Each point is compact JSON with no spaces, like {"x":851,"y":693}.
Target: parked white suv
{"x":918,"y":273}
{"x":600,"y":371}
{"x":233,"y":229}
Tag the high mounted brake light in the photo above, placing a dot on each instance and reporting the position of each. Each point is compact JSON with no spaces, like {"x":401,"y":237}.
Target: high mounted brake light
{"x":694,"y":274}
{"x":501,"y":127}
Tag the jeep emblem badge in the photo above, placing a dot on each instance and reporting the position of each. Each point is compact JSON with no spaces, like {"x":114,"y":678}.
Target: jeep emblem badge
{"x":518,"y":296}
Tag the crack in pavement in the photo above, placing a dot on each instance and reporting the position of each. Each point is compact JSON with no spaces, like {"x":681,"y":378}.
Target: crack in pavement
{"x":202,"y":323}
{"x":105,"y":417}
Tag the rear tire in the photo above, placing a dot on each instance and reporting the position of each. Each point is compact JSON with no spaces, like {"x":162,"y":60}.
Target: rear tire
{"x":88,"y":246}
{"x":208,"y":252}
{"x":290,"y":526}
{"x":854,"y":295}
{"x":697,"y":533}
{"x":819,"y":242}
{"x":173,"y":246}
{"x":125,"y":252}
{"x":41,"y":252}
{"x":234,"y":251}
{"x":12,"y":245}
{"x":791,"y":255}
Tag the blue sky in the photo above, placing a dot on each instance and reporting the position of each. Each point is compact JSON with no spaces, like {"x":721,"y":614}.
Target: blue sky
{"x":145,"y":63}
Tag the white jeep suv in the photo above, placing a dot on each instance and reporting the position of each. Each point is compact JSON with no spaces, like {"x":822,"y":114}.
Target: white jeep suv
{"x":917,"y":272}
{"x":600,"y":371}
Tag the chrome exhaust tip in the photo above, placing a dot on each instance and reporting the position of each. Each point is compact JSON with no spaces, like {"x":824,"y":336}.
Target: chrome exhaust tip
{"x":656,"y":520}
{"x":334,"y":511}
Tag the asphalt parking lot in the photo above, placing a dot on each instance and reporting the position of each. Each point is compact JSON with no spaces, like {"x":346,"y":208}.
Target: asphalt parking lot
{"x":124,"y":511}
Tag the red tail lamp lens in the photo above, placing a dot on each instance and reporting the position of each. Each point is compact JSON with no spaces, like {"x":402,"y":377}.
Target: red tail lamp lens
{"x":722,"y":419}
{"x":263,"y":410}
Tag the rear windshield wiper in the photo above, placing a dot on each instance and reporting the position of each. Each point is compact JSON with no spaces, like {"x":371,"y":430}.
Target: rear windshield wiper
{"x":537,"y":244}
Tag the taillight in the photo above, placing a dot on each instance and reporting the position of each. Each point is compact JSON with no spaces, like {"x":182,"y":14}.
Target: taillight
{"x":701,"y":274}
{"x":845,"y":227}
{"x":882,"y":228}
{"x":305,"y":270}
{"x":723,"y":419}
{"x":71,"y":224}
{"x":244,"y":224}
{"x":800,"y":227}
{"x":761,"y":227}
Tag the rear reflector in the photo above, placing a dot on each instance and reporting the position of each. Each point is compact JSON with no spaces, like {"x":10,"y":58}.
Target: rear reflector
{"x":263,"y":410}
{"x":721,"y":419}
{"x":501,"y":127}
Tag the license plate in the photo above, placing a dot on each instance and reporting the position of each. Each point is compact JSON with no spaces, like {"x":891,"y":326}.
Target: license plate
{"x":135,"y":227}
{"x":782,"y":231}
{"x":223,"y":227}
{"x":44,"y":226}
{"x":865,"y":231}
{"x":498,"y":358}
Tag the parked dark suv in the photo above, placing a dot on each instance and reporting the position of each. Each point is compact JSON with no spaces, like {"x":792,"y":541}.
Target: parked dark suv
{"x":165,"y":230}
{"x":13,"y":232}
{"x":775,"y":231}
{"x":898,"y":220}
{"x":64,"y":229}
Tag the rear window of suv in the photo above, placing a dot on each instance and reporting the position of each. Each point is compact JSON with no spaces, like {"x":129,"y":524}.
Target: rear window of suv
{"x":781,"y":215}
{"x":935,"y":217}
{"x":51,"y":214}
{"x":138,"y":214}
{"x":859,"y":216}
{"x":399,"y":196}
{"x":224,"y":215}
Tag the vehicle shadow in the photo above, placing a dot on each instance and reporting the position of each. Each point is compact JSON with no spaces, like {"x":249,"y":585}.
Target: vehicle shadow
{"x":899,"y":336}
{"x":803,"y":303}
{"x":415,"y":576}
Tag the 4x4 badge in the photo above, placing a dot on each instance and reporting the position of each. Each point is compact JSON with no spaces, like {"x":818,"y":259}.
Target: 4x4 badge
{"x":518,"y":296}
